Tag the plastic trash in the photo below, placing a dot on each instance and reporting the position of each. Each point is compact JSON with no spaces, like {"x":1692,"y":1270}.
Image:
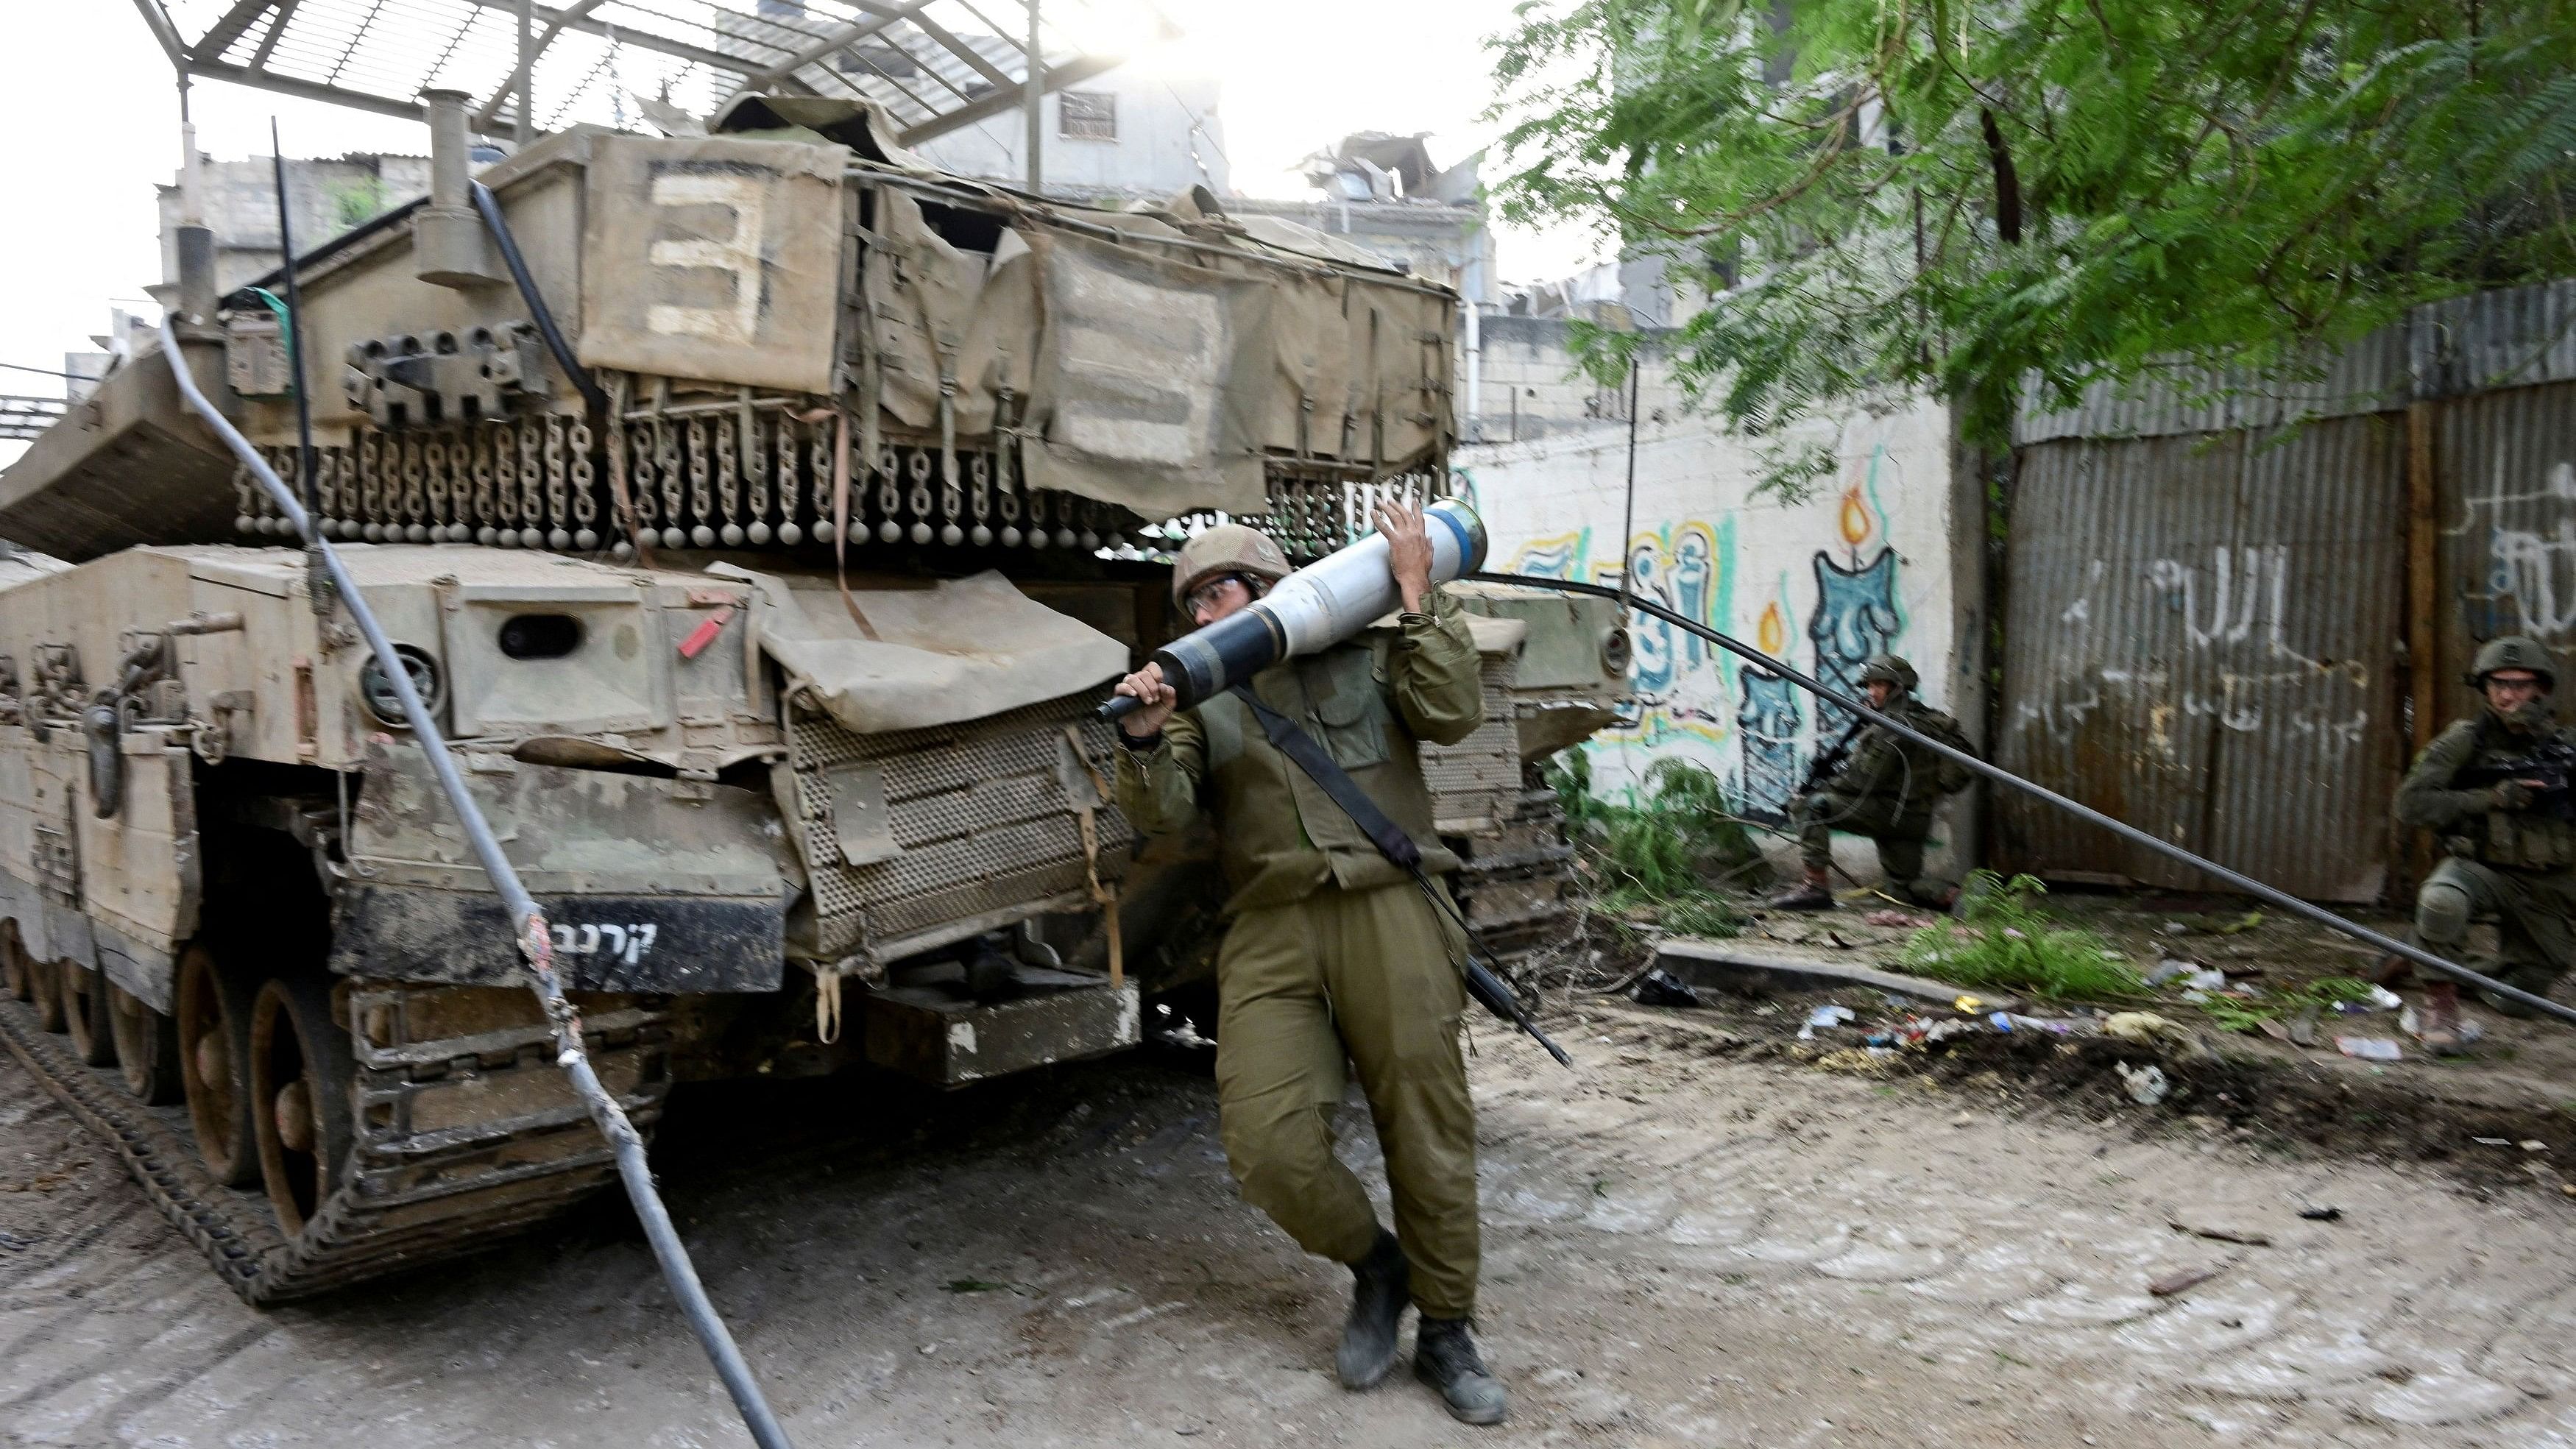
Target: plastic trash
{"x":1660,"y":987}
{"x":2322,"y":1214}
{"x":2139,"y":1026}
{"x":2370,"y":1048}
{"x":2169,"y":968}
{"x":2207,"y":978}
{"x":2384,"y":999}
{"x":1824,"y":1017}
{"x":2147,"y":1085}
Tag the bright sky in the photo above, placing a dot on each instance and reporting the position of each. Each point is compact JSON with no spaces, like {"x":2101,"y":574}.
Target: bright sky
{"x":92,"y":125}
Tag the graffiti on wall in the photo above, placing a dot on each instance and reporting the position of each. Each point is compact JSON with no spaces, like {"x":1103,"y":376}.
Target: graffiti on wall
{"x":2530,"y":583}
{"x":1748,"y":725}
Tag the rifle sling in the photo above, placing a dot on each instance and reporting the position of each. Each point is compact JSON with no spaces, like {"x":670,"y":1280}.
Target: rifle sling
{"x":1291,"y":740}
{"x":1489,"y":990}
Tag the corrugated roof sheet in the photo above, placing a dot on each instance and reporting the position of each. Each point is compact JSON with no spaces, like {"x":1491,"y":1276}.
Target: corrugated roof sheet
{"x":2511,"y":338}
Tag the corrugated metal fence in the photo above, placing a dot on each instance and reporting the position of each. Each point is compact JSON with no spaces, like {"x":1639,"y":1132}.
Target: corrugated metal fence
{"x":2232,"y":610}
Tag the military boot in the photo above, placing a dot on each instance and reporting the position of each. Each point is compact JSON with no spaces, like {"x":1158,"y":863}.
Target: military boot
{"x":1815,"y":893}
{"x":2439,"y":1024}
{"x":1444,"y":1356}
{"x":1382,"y":1283}
{"x":2537,"y":981}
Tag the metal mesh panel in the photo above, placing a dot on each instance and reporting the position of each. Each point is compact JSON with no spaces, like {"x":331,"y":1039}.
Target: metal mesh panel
{"x":978,"y":810}
{"x":1476,"y":783}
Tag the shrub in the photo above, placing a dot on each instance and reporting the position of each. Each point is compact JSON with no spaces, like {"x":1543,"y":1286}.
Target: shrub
{"x":2003,"y":939}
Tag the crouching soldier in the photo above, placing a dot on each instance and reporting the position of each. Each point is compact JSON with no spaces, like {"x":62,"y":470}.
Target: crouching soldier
{"x":1885,"y":790}
{"x":2494,"y":788}
{"x":1333,"y":953}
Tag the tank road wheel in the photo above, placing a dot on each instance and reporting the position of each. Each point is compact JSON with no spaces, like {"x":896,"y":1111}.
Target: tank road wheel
{"x":45,"y":989}
{"x":85,"y":1014}
{"x":17,"y":973}
{"x":300,"y":1077}
{"x":214,"y":1035}
{"x":147,"y":1047}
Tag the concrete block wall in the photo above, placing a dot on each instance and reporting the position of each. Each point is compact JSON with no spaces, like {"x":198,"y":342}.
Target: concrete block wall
{"x":1529,"y":387}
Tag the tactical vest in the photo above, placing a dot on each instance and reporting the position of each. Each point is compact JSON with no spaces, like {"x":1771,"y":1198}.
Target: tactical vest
{"x":2512,"y":839}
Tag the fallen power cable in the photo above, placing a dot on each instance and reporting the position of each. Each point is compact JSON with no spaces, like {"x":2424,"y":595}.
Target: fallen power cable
{"x":535,"y":937}
{"x":2233,"y":879}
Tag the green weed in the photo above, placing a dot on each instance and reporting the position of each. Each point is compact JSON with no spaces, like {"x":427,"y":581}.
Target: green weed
{"x":2002,"y":939}
{"x":1660,"y":848}
{"x":2231,"y":1013}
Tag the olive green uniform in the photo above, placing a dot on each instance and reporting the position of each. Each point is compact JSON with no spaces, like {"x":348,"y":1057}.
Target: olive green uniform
{"x":1886,"y":791}
{"x":2517,"y":867}
{"x":1333,"y":951}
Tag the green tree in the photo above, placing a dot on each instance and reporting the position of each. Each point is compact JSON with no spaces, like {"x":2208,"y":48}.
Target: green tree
{"x":1917,"y":195}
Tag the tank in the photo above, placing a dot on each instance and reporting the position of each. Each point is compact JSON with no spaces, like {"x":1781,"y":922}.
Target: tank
{"x":761,"y":514}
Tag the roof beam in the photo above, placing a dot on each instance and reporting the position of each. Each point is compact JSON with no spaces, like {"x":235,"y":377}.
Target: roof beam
{"x":310,"y":90}
{"x":268,"y":42}
{"x":969,"y":54}
{"x":229,"y":28}
{"x":157,"y":20}
{"x":640,"y":39}
{"x":1003,"y":101}
{"x":482,"y":118}
{"x":836,"y":39}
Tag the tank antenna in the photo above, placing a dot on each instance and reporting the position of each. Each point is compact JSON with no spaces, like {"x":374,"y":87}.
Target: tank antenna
{"x":294,"y":331}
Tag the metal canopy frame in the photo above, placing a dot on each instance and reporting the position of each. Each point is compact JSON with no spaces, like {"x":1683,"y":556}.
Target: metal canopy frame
{"x":935,"y":65}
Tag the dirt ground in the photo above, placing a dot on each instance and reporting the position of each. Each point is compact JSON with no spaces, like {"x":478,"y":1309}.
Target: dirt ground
{"x":2519,"y":1066}
{"x":1687,"y":1243}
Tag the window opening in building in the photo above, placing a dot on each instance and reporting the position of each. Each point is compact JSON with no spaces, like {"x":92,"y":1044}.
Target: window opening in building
{"x":1086,"y":115}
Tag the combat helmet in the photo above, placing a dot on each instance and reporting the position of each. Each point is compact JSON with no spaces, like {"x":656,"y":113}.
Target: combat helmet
{"x":2513,"y":651}
{"x":1891,"y":668}
{"x":1228,"y":548}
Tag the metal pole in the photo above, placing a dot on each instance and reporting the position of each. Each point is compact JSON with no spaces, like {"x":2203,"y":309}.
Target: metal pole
{"x":192,"y":185}
{"x":1628,"y":519}
{"x":2234,"y":880}
{"x":304,"y":479}
{"x":1033,"y":100}
{"x":536,"y":938}
{"x":527,"y":81}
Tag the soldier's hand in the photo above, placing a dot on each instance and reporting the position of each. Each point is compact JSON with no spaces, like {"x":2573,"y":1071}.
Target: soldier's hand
{"x":2513,"y":794}
{"x":1408,"y":551}
{"x":1160,"y":700}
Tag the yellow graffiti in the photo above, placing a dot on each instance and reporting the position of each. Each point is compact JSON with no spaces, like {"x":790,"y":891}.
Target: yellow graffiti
{"x":1855,"y":520}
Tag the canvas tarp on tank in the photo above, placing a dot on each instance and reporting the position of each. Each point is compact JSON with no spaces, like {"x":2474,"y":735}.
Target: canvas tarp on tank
{"x":712,"y":258}
{"x":1158,"y":371}
{"x":958,"y":650}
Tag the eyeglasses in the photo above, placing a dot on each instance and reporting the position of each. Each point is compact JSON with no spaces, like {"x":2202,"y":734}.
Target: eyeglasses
{"x":1208,"y":595}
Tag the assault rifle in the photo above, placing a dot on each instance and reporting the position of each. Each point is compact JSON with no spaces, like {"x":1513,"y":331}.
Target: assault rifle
{"x":2551,"y":762}
{"x":1823,"y":766}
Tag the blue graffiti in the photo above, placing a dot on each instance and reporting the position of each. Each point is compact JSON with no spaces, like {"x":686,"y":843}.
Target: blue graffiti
{"x":1767,"y":721}
{"x":1856,"y":617}
{"x":1655,"y":666}
{"x":1693,"y":574}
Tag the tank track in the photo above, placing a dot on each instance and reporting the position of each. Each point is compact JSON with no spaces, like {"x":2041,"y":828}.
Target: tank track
{"x":1517,"y":884}
{"x":458,"y":1141}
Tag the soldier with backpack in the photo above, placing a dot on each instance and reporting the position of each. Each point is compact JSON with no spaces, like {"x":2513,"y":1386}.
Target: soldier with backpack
{"x":1886,"y":791}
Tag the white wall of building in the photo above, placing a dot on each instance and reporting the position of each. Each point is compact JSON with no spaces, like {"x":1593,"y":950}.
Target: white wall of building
{"x":1863,"y":565}
{"x":1169,"y":139}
